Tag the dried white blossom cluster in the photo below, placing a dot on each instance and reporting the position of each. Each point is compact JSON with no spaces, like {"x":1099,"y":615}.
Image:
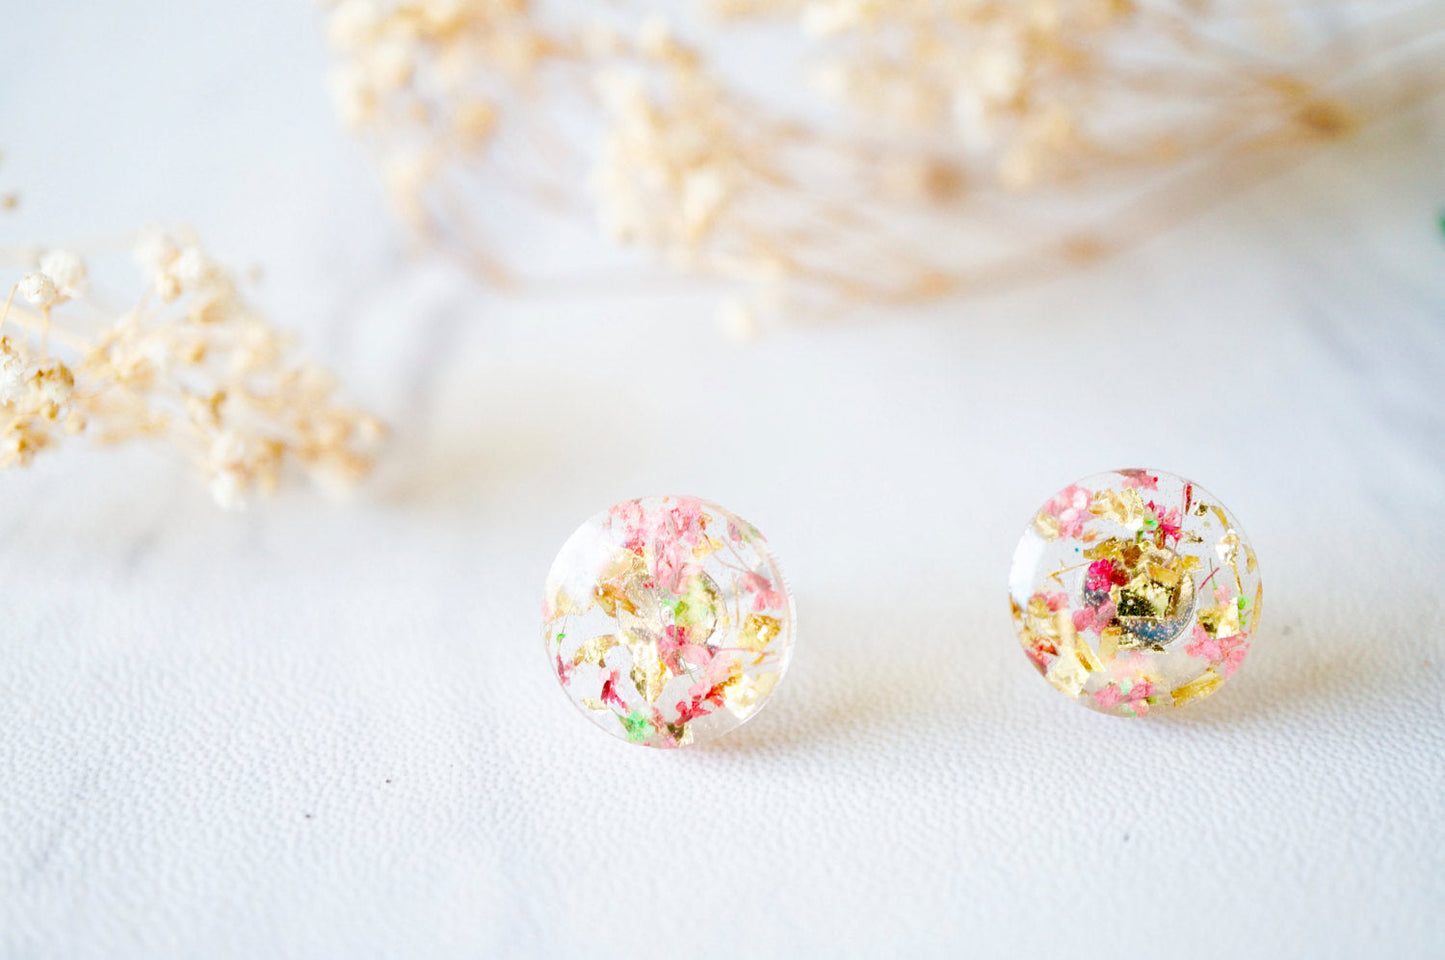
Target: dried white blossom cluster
{"x":1038,"y":92}
{"x":1010,"y":83}
{"x":191,"y":363}
{"x":691,"y":170}
{"x":967,"y":104}
{"x":427,"y":79}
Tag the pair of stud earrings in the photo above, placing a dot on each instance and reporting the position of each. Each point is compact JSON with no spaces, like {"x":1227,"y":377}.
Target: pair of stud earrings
{"x":668,"y":622}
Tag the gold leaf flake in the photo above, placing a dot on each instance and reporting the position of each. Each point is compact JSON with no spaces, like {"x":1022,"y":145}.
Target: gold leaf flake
{"x":1228,"y":550}
{"x":1164,"y":575}
{"x":706,"y":547}
{"x":1058,"y":575}
{"x":1258,"y":605}
{"x":1200,"y":686}
{"x":744,"y":694}
{"x":1085,"y":653}
{"x":758,"y":631}
{"x":592,"y":703}
{"x":1067,"y":675}
{"x":1227,"y":547}
{"x":1124,"y":507}
{"x":1109,"y":643}
{"x":1046,"y":525}
{"x":594,"y":650}
{"x":649,"y":673}
{"x":610,"y":597}
{"x":1073,"y":645}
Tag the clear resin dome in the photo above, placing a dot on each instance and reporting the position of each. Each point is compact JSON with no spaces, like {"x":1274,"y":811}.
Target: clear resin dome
{"x":1135,"y":590}
{"x":667,"y":620}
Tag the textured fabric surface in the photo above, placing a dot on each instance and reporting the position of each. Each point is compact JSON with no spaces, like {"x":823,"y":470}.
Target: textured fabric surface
{"x":328,"y":729}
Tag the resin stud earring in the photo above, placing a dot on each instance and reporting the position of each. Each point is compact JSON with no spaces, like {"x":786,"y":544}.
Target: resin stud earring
{"x":667,"y":620}
{"x":1135,"y":590}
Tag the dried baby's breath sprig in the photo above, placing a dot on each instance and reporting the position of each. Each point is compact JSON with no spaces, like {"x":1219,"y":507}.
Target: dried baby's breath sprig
{"x":192,"y":363}
{"x":695,"y":172}
{"x":427,"y":84}
{"x":1128,"y":114}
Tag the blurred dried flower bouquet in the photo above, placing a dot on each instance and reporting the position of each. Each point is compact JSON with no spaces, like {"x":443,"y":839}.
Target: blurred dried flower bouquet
{"x":1127,"y":114}
{"x":191,"y":363}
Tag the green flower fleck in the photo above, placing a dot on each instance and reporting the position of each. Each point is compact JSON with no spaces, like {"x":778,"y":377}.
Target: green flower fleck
{"x":638,"y":727}
{"x":696,"y":606}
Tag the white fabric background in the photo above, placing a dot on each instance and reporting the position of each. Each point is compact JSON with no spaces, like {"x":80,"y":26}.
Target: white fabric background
{"x":322,"y":729}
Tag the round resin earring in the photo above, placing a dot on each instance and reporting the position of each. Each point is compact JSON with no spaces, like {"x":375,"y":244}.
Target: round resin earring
{"x":1135,"y":590}
{"x":667,"y":620}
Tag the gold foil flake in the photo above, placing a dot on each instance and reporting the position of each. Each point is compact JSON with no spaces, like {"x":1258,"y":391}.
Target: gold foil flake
{"x":1227,"y":547}
{"x":1087,"y":659}
{"x":1220,"y":621}
{"x":758,"y":631}
{"x":635,"y":630}
{"x":706,"y":547}
{"x":1258,"y":605}
{"x":1047,"y":525}
{"x":1041,"y":617}
{"x":1163,"y":575}
{"x":1142,"y":597}
{"x":612,"y":596}
{"x":1124,"y":507}
{"x":1127,"y":552}
{"x":594,"y":649}
{"x":1109,"y":642}
{"x":1058,"y":575}
{"x":621,"y":583}
{"x":1067,"y":674}
{"x":681,"y":733}
{"x":649,"y":673}
{"x":1073,"y":645}
{"x":1200,"y":686}
{"x":743,"y":695}
{"x":592,"y":703}
{"x":1251,"y":563}
{"x":1228,"y":550}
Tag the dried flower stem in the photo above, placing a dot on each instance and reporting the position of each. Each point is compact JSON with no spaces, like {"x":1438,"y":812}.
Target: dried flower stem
{"x":1109,"y":107}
